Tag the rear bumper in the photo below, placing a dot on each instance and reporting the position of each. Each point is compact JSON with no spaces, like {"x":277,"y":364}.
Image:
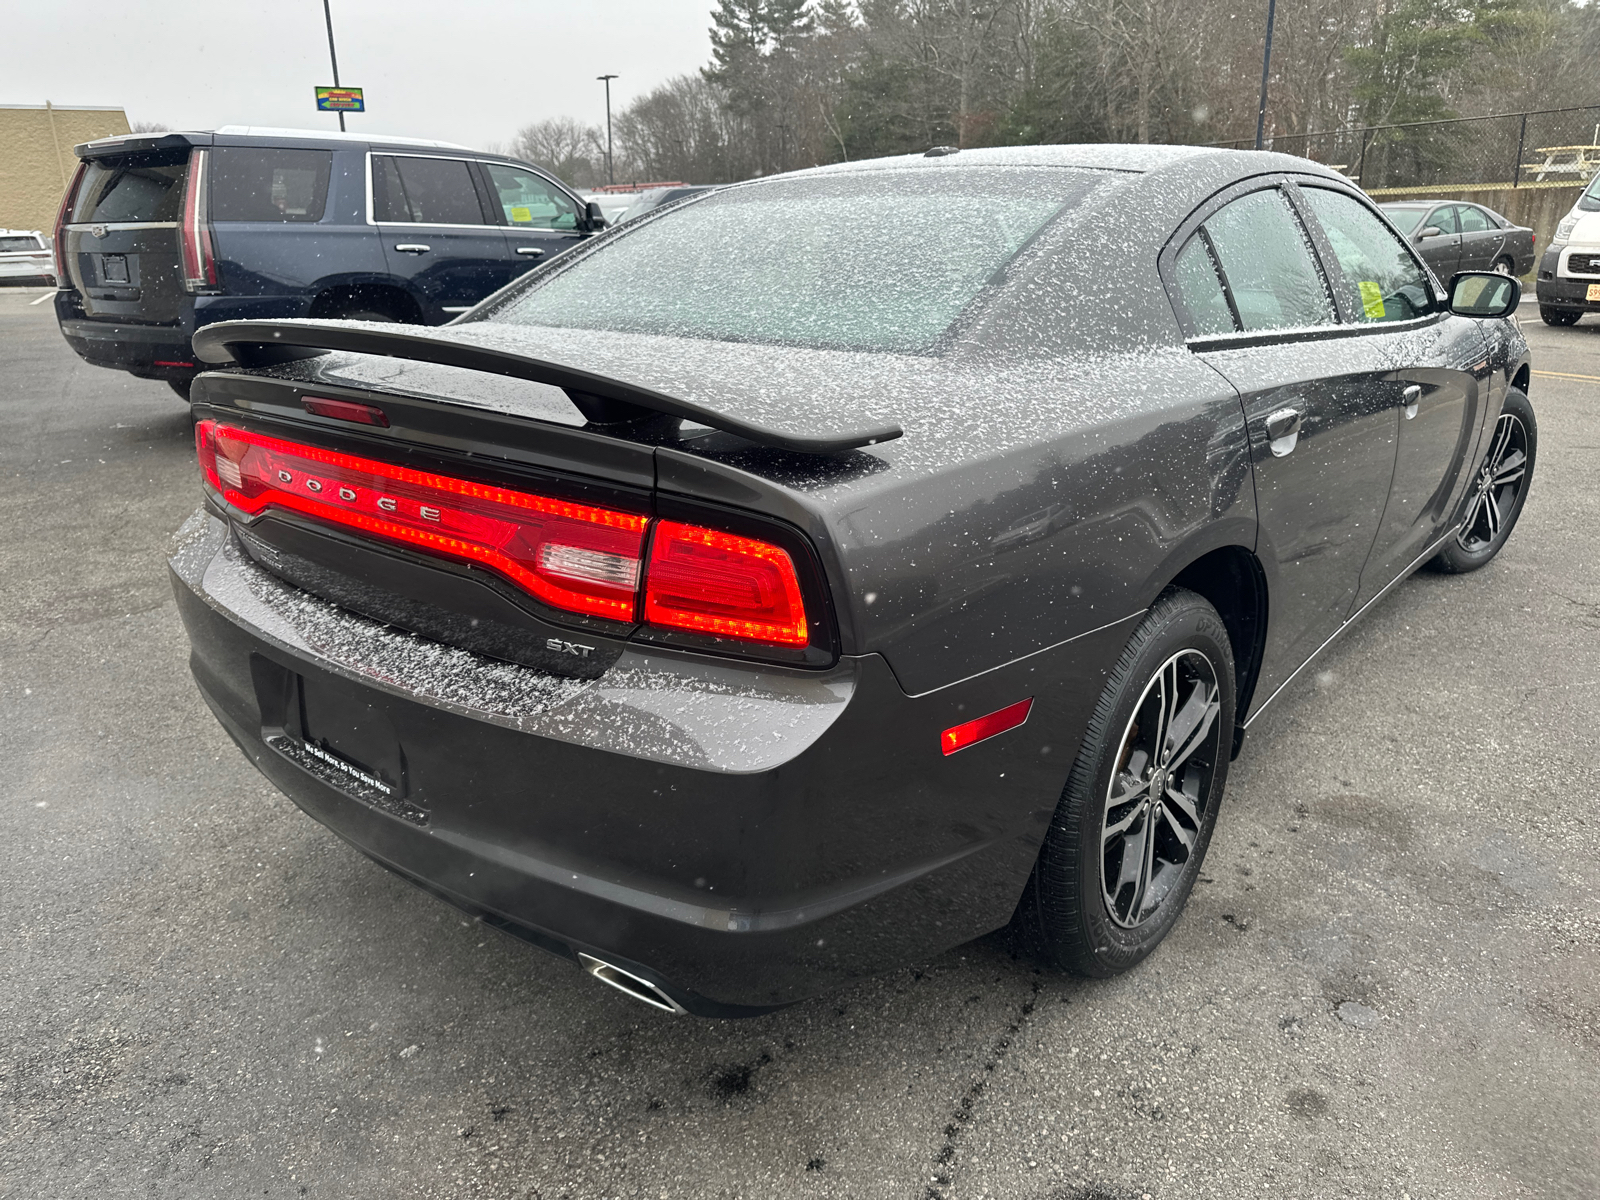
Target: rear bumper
{"x":163,"y":351}
{"x":741,"y":838}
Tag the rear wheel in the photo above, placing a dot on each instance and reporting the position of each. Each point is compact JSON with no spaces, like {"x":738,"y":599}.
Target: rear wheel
{"x":1558,"y":316}
{"x":1504,"y":266}
{"x":1498,"y":490}
{"x":1131,"y":829}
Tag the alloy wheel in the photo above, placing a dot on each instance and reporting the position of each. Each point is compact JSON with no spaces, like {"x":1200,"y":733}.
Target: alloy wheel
{"x":1497,"y":486}
{"x":1156,"y":801}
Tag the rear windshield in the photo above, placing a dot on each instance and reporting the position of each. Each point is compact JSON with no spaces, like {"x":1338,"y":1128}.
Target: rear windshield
{"x":882,"y":260}
{"x":132,"y":187}
{"x":8,"y":244}
{"x":250,"y":183}
{"x":1405,"y":219}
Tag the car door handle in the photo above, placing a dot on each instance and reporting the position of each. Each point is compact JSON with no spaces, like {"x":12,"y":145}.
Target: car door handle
{"x":1409,"y":398}
{"x":1283,"y":430}
{"x":531,"y":251}
{"x":412,"y":247}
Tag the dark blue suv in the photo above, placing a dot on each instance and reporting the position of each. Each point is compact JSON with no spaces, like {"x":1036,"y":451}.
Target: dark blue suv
{"x":160,"y":234}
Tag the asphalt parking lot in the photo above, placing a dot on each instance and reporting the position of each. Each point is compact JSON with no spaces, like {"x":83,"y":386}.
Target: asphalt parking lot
{"x":1386,"y":985}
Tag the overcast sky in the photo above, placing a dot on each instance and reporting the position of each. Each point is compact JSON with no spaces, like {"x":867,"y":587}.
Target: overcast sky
{"x":470,"y":71}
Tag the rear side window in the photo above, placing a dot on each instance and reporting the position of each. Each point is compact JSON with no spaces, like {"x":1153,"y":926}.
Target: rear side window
{"x":432,"y":191}
{"x":132,"y":187}
{"x":251,"y":183}
{"x":1200,"y":288}
{"x":1381,"y":281}
{"x":10,"y":244}
{"x":1267,"y":263}
{"x":530,"y":201}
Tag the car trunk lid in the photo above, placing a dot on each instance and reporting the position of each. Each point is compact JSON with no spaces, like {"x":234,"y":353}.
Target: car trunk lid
{"x":120,"y":237}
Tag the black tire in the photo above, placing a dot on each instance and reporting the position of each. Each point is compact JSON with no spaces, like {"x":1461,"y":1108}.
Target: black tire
{"x":1558,"y":316}
{"x":1497,"y":491}
{"x":182,"y":387}
{"x":361,"y":311}
{"x":1079,"y":920}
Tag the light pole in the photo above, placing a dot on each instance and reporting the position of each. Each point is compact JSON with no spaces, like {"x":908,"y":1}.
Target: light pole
{"x":611,"y":174}
{"x":1266,"y":66}
{"x":328,"y":13}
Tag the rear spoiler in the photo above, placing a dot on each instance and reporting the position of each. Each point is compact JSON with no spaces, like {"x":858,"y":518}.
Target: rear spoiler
{"x":602,"y":400}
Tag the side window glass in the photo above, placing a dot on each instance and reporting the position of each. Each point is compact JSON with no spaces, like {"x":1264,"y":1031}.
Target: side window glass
{"x":1444,"y":219}
{"x":529,"y":201}
{"x":259,"y":184}
{"x":1268,"y":263}
{"x":435,"y":191}
{"x":1472,"y":219}
{"x":1200,"y":288}
{"x":1382,"y":282}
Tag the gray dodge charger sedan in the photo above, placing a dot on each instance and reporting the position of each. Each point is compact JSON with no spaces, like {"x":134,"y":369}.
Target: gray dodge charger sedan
{"x":830,"y":569}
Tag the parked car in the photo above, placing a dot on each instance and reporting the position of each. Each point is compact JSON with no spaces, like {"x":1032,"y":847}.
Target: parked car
{"x":739,"y":617}
{"x":1569,"y":273}
{"x":161,"y":234}
{"x":612,"y":204}
{"x":25,"y":255}
{"x":1454,"y":236}
{"x":654,"y":198}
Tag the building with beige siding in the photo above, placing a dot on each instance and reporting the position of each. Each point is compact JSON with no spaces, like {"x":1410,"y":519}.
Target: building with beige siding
{"x":36,"y":142}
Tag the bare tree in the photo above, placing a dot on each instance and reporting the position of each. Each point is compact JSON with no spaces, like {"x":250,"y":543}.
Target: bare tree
{"x":565,"y":147}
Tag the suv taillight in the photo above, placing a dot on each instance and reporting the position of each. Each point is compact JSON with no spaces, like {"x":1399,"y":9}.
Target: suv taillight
{"x":194,"y":232}
{"x":59,"y":246}
{"x":575,"y":557}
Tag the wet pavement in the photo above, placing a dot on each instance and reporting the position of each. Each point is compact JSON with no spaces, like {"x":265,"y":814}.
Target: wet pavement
{"x":1386,"y":985}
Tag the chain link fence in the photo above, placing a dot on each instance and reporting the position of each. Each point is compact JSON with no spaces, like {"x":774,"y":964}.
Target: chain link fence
{"x":1554,"y":146}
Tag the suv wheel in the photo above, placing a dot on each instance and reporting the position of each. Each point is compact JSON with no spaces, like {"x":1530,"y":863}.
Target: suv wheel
{"x":1558,"y":316}
{"x":1497,"y":491}
{"x":1131,"y":830}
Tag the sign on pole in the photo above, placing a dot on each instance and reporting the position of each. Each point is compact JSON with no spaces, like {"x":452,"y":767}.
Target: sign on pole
{"x":340,"y":99}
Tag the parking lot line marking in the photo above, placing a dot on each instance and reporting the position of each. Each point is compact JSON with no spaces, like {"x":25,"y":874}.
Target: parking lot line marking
{"x":41,"y":299}
{"x":1565,"y":375}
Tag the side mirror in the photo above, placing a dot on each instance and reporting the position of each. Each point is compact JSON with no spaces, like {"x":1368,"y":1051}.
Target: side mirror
{"x":1429,"y":231}
{"x":595,"y":215}
{"x":1484,"y":294}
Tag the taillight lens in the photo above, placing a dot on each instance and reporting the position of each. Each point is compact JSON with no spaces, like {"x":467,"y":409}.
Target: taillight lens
{"x":574,"y":557}
{"x":59,"y":246}
{"x":194,"y":231}
{"x":717,"y":583}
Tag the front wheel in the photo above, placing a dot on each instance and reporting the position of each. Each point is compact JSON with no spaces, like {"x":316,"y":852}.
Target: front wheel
{"x":1497,"y":491}
{"x":1558,"y":317}
{"x":1131,"y":829}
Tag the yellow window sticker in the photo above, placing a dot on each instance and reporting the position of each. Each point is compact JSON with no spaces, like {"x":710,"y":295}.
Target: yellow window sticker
{"x":1371,"y":300}
{"x":523,"y":215}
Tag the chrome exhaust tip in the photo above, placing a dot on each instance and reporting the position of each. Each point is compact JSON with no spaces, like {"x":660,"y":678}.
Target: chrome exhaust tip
{"x":629,"y":984}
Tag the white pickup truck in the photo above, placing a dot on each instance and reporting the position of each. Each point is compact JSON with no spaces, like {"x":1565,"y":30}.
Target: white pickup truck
{"x":24,"y":255}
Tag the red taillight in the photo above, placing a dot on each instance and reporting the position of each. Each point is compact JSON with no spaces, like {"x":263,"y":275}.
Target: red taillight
{"x":572,"y":556}
{"x":194,"y":232}
{"x":718,"y":583}
{"x":959,"y":737}
{"x":59,"y":246}
{"x":345,"y":410}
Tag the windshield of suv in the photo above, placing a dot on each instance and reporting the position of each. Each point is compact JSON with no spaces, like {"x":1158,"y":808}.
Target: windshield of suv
{"x":880,"y":260}
{"x":1590,"y":200}
{"x":132,"y":187}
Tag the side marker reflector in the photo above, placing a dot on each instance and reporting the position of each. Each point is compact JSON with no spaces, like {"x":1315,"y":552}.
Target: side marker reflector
{"x":959,"y":737}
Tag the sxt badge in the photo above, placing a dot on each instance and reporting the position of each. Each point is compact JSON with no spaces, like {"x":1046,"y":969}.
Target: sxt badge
{"x":561,"y":647}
